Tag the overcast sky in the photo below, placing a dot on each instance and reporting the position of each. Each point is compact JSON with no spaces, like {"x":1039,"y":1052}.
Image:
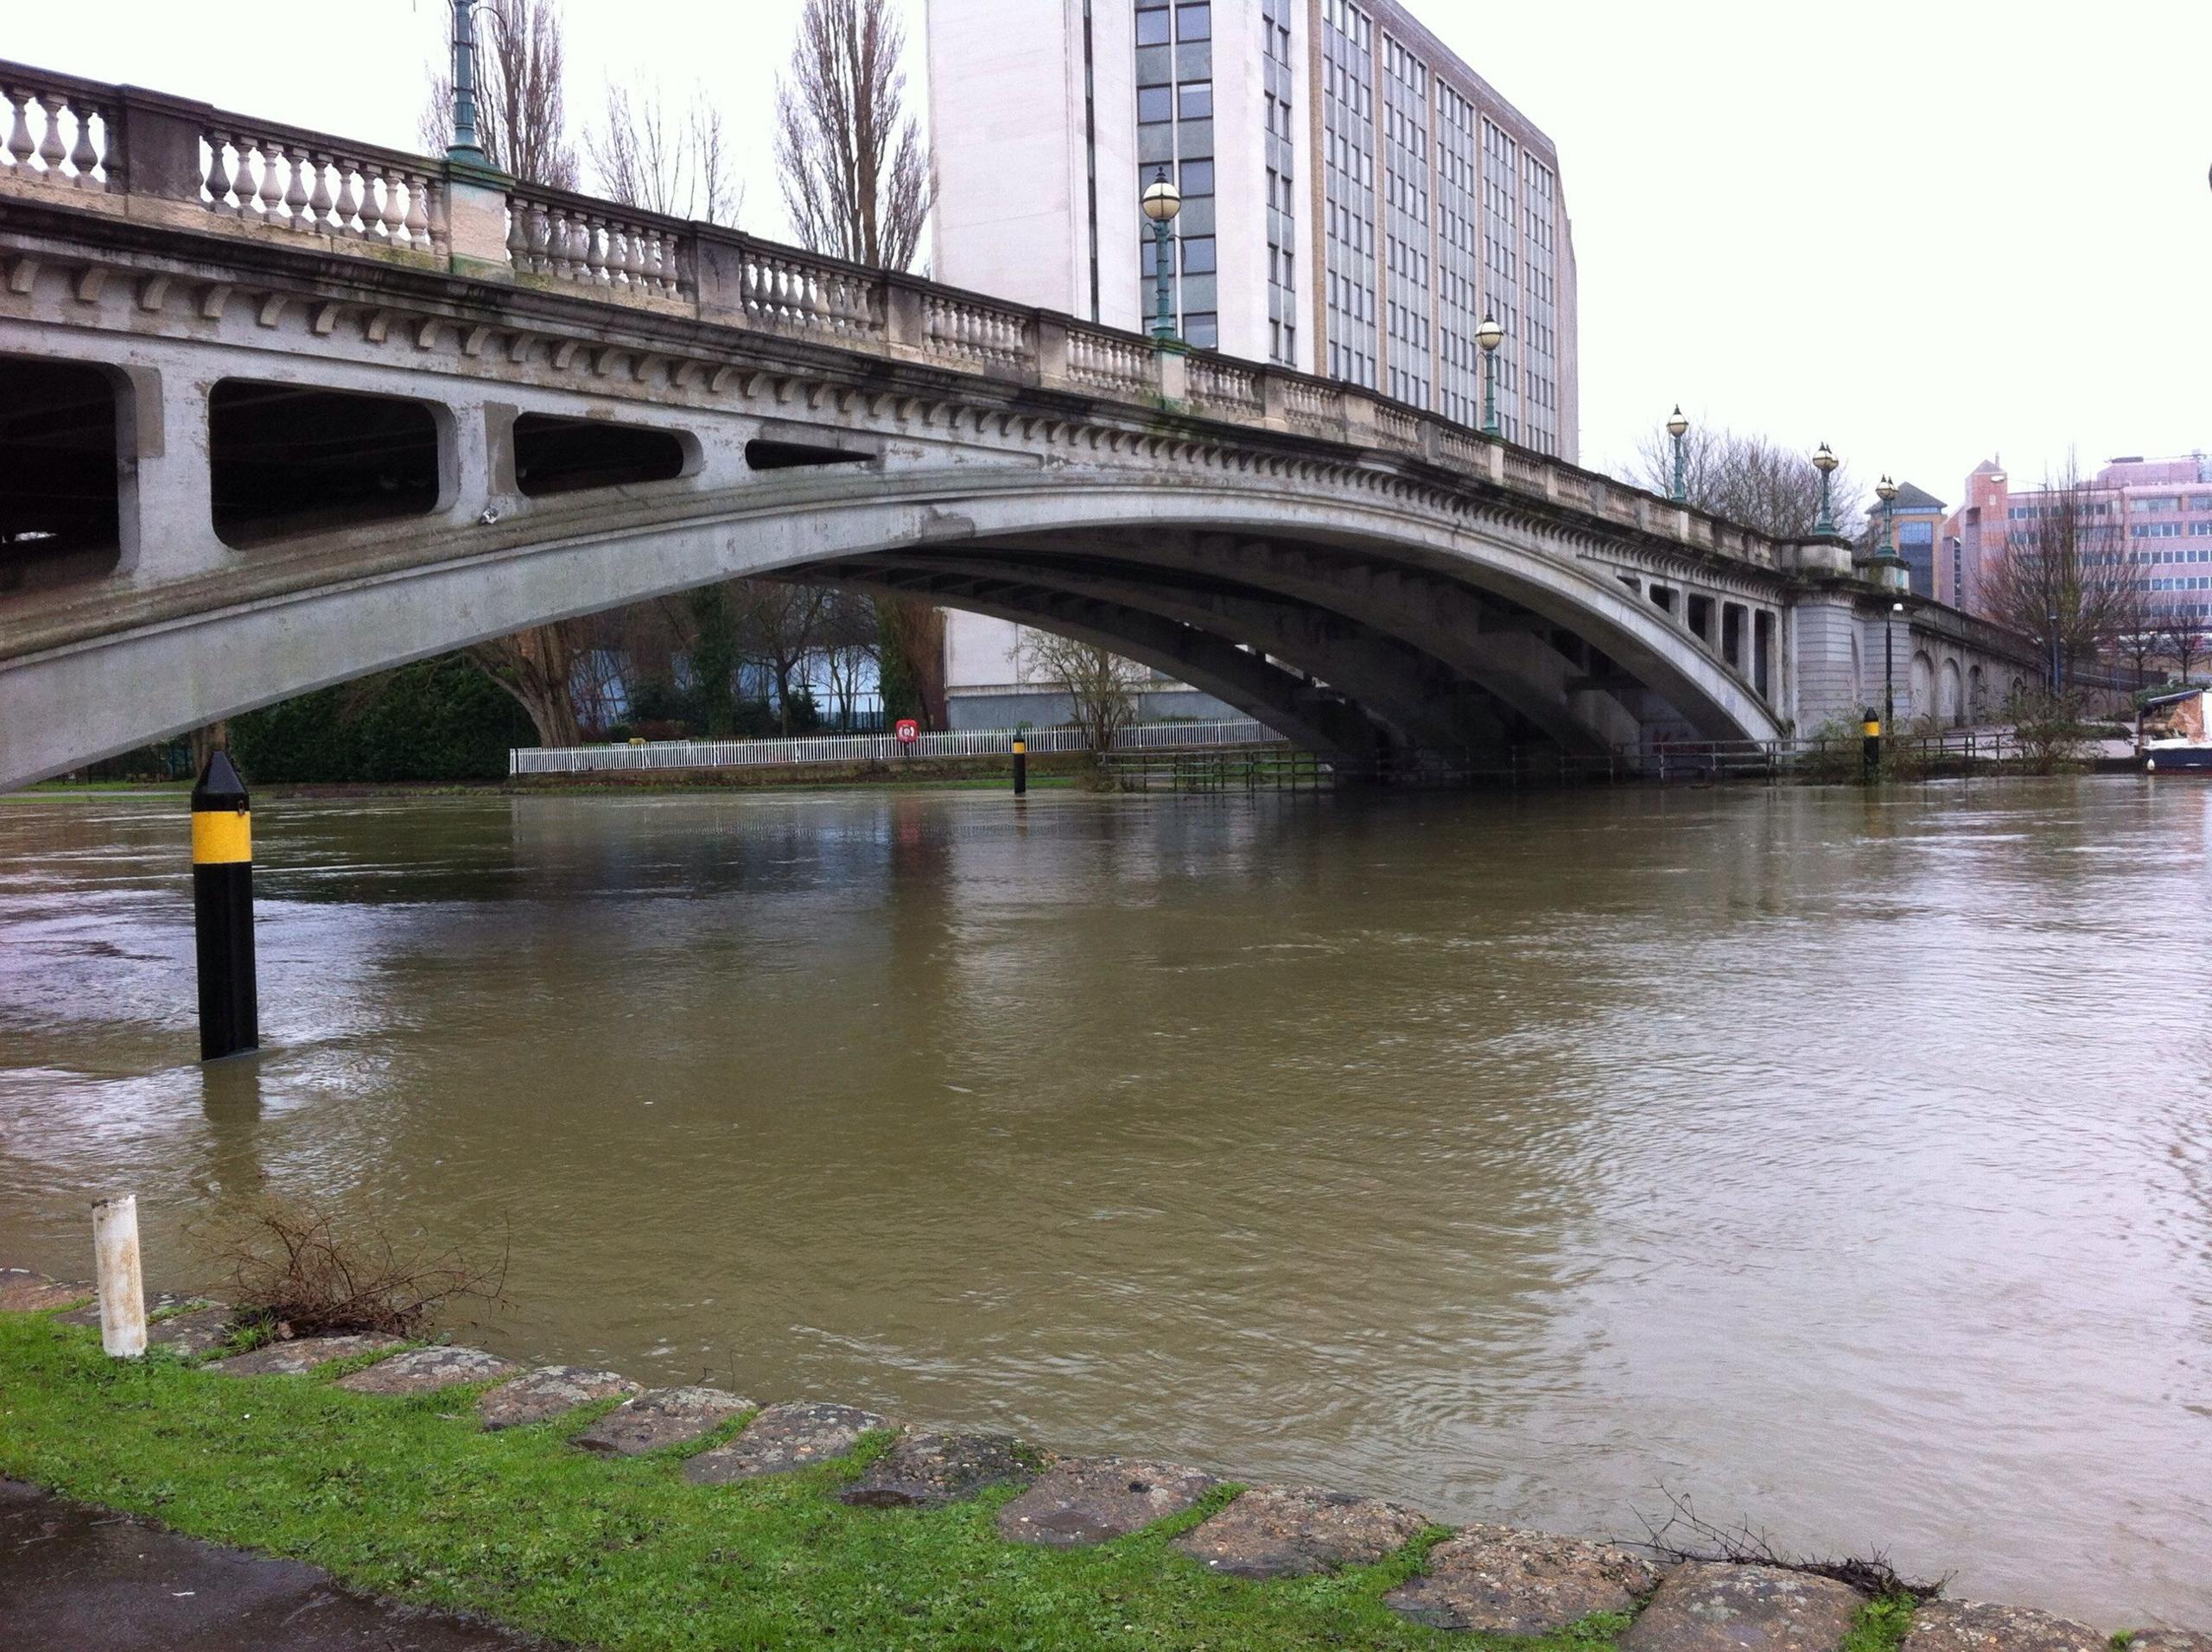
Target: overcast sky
{"x":1927,"y":232}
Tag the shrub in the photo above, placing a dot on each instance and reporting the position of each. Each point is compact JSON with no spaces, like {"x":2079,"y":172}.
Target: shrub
{"x":296,"y":1271}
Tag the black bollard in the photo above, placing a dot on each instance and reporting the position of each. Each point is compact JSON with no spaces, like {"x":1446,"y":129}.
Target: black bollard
{"x":1870,"y":746}
{"x":222,"y":910}
{"x":1021,"y":765}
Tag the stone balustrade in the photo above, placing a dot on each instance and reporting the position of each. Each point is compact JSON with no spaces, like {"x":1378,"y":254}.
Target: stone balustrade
{"x":185,"y":165}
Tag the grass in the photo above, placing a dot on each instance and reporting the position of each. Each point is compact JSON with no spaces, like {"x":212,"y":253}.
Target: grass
{"x":408,"y":1498}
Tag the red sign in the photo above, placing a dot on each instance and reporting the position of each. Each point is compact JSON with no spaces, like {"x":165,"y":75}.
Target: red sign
{"x":908,"y":731}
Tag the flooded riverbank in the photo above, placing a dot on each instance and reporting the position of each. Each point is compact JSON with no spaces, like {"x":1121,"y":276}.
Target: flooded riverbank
{"x":1843,"y":1160}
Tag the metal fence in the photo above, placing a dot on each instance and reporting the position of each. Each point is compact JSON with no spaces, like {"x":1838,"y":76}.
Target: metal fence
{"x":865,"y":748}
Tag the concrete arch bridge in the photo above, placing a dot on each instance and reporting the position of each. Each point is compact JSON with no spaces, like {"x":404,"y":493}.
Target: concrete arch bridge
{"x":278,"y":410}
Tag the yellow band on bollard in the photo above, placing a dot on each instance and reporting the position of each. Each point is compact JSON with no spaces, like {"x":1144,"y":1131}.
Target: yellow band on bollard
{"x":222,"y":836}
{"x":1021,"y":748}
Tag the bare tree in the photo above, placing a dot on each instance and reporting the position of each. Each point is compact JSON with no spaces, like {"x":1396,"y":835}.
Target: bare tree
{"x":779,"y":627}
{"x":676,"y":164}
{"x":853,"y":161}
{"x":537,"y":667}
{"x":2184,"y":643}
{"x":856,"y":183}
{"x":1102,"y":687}
{"x":521,"y":99}
{"x":2062,"y":578}
{"x":2136,"y":635}
{"x":1747,"y":479}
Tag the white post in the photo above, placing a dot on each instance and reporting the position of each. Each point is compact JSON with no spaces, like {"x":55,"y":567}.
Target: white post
{"x":122,"y":1287}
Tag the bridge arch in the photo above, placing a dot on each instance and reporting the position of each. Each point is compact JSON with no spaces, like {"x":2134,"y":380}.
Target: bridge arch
{"x":283,"y":624}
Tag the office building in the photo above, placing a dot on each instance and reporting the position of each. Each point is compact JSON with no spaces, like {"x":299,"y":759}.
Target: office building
{"x":1355,"y":198}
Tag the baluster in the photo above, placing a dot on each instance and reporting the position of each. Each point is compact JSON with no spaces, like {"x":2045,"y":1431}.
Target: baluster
{"x":556,"y":241}
{"x":217,"y":183}
{"x":606,"y":255}
{"x":319,"y":203}
{"x":517,"y":236}
{"x":378,"y":194}
{"x":21,"y":145}
{"x":270,"y":194}
{"x":295,"y":187}
{"x":418,"y":212}
{"x":353,"y":219}
{"x":83,"y":157}
{"x":434,"y":202}
{"x":541,"y":241}
{"x":583,"y":248}
{"x":51,"y":151}
{"x":625,"y":264}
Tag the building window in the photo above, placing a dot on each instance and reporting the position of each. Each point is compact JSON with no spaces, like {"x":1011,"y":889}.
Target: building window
{"x":1197,"y":100}
{"x":1201,"y":330}
{"x":1194,"y":22}
{"x":1154,"y":103}
{"x":1152,"y":27}
{"x":1197,"y":255}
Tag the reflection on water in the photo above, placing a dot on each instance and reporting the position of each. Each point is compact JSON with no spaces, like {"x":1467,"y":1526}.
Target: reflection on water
{"x":1842,"y":1160}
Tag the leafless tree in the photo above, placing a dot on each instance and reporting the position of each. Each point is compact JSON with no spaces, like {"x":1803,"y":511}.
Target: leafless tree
{"x":780,"y":628}
{"x":2136,"y":635}
{"x":537,"y":667}
{"x":1102,"y":686}
{"x":1747,"y":479}
{"x":855,"y":176}
{"x":852,"y":159}
{"x":2062,"y":578}
{"x":2184,"y":643}
{"x":673,"y":163}
{"x":521,"y":97}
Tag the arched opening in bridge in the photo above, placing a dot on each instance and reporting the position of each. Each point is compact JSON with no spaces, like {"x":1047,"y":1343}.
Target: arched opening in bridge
{"x":555,"y":456}
{"x":797,"y":455}
{"x":60,"y":495}
{"x":286,"y":459}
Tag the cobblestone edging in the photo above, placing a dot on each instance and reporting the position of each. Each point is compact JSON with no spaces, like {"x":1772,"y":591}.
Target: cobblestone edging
{"x":1493,"y":1580}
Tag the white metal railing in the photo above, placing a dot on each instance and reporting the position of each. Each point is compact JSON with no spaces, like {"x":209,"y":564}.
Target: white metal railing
{"x":865,"y":748}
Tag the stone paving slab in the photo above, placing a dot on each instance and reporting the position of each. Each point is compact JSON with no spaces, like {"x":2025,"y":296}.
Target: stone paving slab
{"x":425,"y":1370}
{"x":781,"y":1439}
{"x":297,"y":1358}
{"x":1095,"y":1499}
{"x":1279,"y":1531}
{"x":22,"y":1291}
{"x":548,"y":1391}
{"x":661,"y":1417}
{"x":1706,"y":1607}
{"x":1496,"y":1580}
{"x":1972,"y":1626}
{"x":2170,"y":1640}
{"x":193,"y":1334}
{"x":925,"y":1470}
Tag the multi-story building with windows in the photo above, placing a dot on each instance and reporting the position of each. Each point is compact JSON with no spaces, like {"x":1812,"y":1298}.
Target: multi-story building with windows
{"x":1355,"y":200}
{"x":2153,"y":515}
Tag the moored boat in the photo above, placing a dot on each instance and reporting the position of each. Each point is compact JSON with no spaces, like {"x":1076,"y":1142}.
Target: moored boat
{"x":2173,"y":733}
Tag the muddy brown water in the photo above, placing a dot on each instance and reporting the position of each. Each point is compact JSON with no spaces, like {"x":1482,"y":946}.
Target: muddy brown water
{"x":1842,"y":1162}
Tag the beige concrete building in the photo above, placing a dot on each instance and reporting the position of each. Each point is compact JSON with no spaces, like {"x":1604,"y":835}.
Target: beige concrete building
{"x":1356,"y":199}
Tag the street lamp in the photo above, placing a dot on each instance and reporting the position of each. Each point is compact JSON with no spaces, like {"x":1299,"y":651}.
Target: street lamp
{"x":465,"y":145}
{"x":1490,"y":335}
{"x":1161,"y":202}
{"x":1885,"y":490}
{"x":1889,"y":669}
{"x":1678,"y":427}
{"x":1825,"y":462}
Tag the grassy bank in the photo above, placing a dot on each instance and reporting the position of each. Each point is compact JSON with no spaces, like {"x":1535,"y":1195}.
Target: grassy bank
{"x":408,"y":1498}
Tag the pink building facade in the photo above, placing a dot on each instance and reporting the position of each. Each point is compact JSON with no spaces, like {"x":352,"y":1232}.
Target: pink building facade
{"x":2160,"y":512}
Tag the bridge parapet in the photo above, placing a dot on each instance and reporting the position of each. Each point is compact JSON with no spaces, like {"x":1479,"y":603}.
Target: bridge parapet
{"x":150,"y":157}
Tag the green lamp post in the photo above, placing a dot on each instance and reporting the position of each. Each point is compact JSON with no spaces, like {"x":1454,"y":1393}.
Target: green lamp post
{"x":1161,"y":202}
{"x":1825,"y":462}
{"x":1678,"y":427}
{"x":1490,"y":335}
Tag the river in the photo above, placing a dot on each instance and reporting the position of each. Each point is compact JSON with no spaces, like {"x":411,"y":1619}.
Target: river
{"x":1840,"y":1159}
